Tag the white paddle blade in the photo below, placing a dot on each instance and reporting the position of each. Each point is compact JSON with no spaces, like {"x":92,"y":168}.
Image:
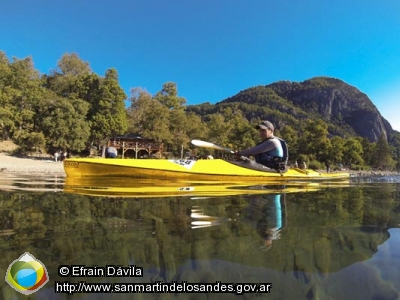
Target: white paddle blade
{"x":204,"y":144}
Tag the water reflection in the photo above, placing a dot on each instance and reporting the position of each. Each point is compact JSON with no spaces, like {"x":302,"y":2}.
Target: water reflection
{"x":127,"y":187}
{"x":267,"y":213}
{"x":35,"y":182}
{"x":201,"y":220}
{"x":333,"y":243}
{"x":270,"y":220}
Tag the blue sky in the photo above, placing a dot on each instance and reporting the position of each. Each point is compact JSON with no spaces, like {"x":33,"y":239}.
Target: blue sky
{"x":213,"y":49}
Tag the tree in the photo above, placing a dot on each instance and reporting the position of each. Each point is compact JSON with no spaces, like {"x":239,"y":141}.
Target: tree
{"x":335,"y":152}
{"x":148,"y":117}
{"x":394,"y":139}
{"x":241,"y":134}
{"x":140,"y":106}
{"x":315,"y":140}
{"x":177,"y":128}
{"x":112,"y":74}
{"x":291,"y":138}
{"x":63,"y":122}
{"x":107,"y":112}
{"x":162,"y":117}
{"x":71,"y":64}
{"x":218,"y":129}
{"x":6,"y":99}
{"x":21,"y":92}
{"x":368,"y":150}
{"x":70,"y":78}
{"x":382,"y":158}
{"x":168,"y":96}
{"x":31,"y":141}
{"x":195,"y":127}
{"x":352,"y":152}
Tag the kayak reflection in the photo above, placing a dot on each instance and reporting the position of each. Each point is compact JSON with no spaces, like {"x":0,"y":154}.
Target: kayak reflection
{"x":131,"y":187}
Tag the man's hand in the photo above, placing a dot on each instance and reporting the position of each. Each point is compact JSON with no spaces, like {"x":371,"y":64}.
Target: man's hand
{"x":237,"y":155}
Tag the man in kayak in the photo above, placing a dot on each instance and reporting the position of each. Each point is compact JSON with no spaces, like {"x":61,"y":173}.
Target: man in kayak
{"x":269,"y":150}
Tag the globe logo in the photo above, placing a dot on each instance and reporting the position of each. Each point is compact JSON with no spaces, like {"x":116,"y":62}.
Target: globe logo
{"x":26,"y":274}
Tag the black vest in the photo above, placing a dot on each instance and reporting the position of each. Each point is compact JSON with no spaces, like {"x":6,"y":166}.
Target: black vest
{"x":274,"y":162}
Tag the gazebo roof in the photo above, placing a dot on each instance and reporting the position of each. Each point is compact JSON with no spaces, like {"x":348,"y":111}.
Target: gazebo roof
{"x":131,"y":137}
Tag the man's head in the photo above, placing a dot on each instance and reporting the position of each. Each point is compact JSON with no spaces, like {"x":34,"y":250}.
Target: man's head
{"x":266,"y":129}
{"x":266,"y":125}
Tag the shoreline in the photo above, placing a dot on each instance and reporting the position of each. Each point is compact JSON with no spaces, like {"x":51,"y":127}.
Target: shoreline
{"x":32,"y":165}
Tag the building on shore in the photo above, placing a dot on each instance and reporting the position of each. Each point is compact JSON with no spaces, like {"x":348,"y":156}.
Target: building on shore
{"x":130,"y":146}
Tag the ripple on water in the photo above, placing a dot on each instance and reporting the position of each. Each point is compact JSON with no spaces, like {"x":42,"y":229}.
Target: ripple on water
{"x":377,"y":179}
{"x":29,"y":182}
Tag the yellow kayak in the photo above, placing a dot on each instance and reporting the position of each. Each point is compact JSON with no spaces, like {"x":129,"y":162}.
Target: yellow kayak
{"x":132,"y":187}
{"x":208,"y":170}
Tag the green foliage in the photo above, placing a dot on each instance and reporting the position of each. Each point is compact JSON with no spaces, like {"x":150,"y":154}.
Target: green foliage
{"x":168,"y":96}
{"x":164,"y":119}
{"x":381,"y":155}
{"x":71,"y":64}
{"x":148,"y":117}
{"x":360,"y":168}
{"x":394,"y":141}
{"x":195,"y":127}
{"x":104,"y":112}
{"x":352,"y":152}
{"x":291,"y":136}
{"x":63,"y":123}
{"x":314,"y":140}
{"x":30,"y":142}
{"x":21,"y":90}
{"x":302,"y":158}
{"x":316,"y":165}
{"x":336,"y":150}
{"x":218,"y":129}
{"x":107,"y":115}
{"x":7,"y":124}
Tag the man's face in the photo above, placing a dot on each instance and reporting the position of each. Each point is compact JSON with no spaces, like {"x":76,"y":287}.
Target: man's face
{"x":265,"y":133}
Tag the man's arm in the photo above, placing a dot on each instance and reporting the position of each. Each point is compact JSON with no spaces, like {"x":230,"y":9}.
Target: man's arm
{"x":263,"y":147}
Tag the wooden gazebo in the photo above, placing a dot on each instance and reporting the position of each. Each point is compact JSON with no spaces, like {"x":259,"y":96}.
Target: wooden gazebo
{"x":135,"y":147}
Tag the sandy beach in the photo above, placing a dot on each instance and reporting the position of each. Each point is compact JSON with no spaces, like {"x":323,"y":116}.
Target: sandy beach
{"x":42,"y":165}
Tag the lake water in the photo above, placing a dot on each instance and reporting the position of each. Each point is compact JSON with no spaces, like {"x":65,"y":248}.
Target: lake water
{"x":339,"y":241}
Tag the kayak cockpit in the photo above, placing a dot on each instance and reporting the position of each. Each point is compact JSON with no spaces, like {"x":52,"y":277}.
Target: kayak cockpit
{"x":252,"y":165}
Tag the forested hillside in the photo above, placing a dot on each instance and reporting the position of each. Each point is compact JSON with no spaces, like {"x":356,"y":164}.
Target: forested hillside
{"x":347,"y":111}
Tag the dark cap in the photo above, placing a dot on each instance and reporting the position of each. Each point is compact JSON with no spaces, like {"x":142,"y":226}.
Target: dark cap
{"x":265,"y":125}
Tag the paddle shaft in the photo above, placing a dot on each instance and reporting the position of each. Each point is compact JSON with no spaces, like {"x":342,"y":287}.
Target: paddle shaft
{"x":204,"y":144}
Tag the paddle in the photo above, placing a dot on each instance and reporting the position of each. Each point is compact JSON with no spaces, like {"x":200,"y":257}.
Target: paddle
{"x":204,"y":144}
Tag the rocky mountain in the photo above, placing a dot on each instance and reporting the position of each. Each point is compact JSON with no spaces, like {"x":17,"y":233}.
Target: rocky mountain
{"x":337,"y":102}
{"x":348,"y":111}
